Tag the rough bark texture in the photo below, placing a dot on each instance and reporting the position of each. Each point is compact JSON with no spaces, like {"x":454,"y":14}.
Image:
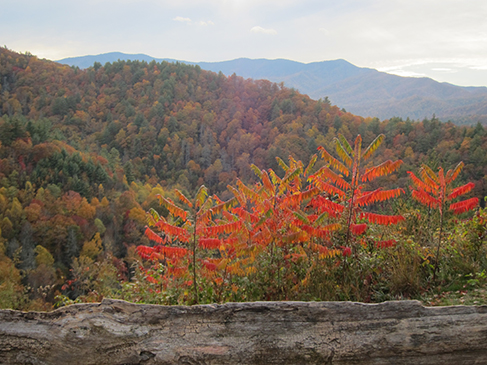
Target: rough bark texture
{"x":117,"y":332}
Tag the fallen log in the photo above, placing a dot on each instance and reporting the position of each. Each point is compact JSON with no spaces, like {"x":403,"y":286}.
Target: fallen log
{"x":118,"y":332}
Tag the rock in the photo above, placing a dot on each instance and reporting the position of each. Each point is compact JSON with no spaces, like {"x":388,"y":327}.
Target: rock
{"x":117,"y":332}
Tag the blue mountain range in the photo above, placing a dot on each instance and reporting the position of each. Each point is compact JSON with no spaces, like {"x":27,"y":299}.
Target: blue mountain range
{"x":361,"y":91}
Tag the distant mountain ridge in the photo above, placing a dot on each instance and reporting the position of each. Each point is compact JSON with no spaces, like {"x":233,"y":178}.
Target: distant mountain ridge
{"x":362,"y":91}
{"x":88,"y":61}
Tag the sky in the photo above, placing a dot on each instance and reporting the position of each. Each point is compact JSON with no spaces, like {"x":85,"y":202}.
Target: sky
{"x":442,"y":39}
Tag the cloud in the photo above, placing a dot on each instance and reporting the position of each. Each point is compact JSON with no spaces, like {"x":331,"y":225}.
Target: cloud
{"x":189,"y":21}
{"x":181,"y":19}
{"x":324,"y":30}
{"x":442,"y":69}
{"x":405,"y":73}
{"x":209,"y":22}
{"x":401,"y":71}
{"x":258,"y":29}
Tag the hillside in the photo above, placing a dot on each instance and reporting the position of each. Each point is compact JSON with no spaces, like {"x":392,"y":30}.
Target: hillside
{"x":85,"y":153}
{"x":362,"y":91}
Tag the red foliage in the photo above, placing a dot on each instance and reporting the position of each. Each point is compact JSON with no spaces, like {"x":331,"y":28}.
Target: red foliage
{"x":434,"y":190}
{"x":180,"y":233}
{"x":461,"y":190}
{"x":385,"y":244}
{"x":382,"y":219}
{"x":346,"y":251}
{"x":349,"y":197}
{"x":358,"y":229}
{"x":209,"y":243}
{"x":209,"y":265}
{"x":464,"y":206}
{"x":154,"y":237}
{"x":224,"y":228}
{"x":160,"y":252}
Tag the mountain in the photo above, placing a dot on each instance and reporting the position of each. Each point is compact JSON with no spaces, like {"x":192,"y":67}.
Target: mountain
{"x":362,"y":91}
{"x":84,"y":155}
{"x":88,"y":61}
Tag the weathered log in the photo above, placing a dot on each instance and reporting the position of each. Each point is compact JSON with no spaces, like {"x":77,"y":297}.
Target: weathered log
{"x":117,"y":332}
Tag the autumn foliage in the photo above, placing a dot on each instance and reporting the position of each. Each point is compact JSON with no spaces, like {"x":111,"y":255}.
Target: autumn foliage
{"x":345,"y":190}
{"x":85,"y":154}
{"x":435,"y":190}
{"x":275,"y":223}
{"x":303,"y":217}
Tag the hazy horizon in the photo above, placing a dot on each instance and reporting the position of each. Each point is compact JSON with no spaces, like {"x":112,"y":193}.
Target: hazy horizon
{"x":444,"y":40}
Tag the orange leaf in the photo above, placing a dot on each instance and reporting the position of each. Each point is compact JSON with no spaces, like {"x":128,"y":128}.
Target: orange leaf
{"x":333,"y":161}
{"x":326,"y":205}
{"x":176,"y":271}
{"x":171,"y":252}
{"x":451,"y":175}
{"x":324,"y":252}
{"x":321,"y":232}
{"x":249,"y":193}
{"x":384,"y":168}
{"x":382,"y":219}
{"x":330,"y":189}
{"x":295,"y":237}
{"x":244,"y":214}
{"x":424,"y":198}
{"x":209,"y":265}
{"x":224,"y":228}
{"x":267,"y":183}
{"x":461,"y":190}
{"x":298,"y":198}
{"x":429,"y":177}
{"x":358,"y":229}
{"x":224,"y":205}
{"x":154,"y":237}
{"x":171,"y":230}
{"x":240,"y":197}
{"x":173,"y":209}
{"x":183,"y":198}
{"x":422,"y":185}
{"x":464,"y":206}
{"x":330,"y":175}
{"x":144,"y":251}
{"x":209,"y":243}
{"x":378,"y":195}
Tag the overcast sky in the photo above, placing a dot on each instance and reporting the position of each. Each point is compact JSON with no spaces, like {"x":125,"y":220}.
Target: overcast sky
{"x":442,"y":39}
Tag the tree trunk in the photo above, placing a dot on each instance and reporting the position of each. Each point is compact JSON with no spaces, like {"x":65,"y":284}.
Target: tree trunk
{"x":117,"y":332}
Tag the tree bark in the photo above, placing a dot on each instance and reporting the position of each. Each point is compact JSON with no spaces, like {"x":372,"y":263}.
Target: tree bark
{"x":117,"y":332}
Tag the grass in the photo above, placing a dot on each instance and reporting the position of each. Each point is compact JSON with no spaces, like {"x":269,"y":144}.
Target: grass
{"x":460,"y":297}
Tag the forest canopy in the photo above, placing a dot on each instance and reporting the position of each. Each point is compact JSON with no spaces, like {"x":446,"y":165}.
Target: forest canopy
{"x":84,"y":155}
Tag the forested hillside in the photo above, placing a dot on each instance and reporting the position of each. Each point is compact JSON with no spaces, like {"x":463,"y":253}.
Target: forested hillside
{"x":362,"y":91}
{"x":84,"y":153}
